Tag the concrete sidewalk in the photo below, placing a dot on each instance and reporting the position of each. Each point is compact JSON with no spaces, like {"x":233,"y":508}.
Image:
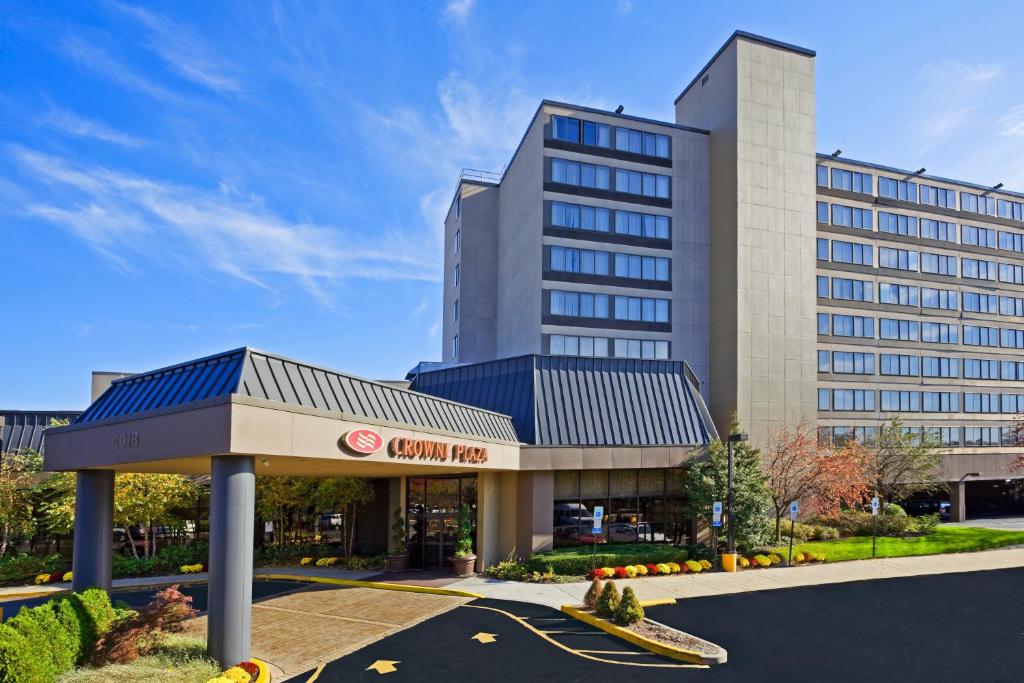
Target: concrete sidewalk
{"x":721,"y":583}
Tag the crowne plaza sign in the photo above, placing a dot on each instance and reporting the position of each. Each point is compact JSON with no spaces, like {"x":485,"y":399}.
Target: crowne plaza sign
{"x":404,"y":448}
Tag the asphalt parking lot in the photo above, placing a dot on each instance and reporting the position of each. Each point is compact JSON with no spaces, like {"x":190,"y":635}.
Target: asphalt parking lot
{"x":951,"y":627}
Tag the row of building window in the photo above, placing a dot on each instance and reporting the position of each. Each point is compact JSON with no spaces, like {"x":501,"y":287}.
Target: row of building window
{"x":942,"y":437}
{"x":843,"y":325}
{"x":598,"y":347}
{"x":912,"y":226}
{"x":572,"y":260}
{"x":914,"y":261}
{"x":921,"y":193}
{"x":849,"y":289}
{"x":863,"y":400}
{"x":616,"y":307}
{"x":907,"y":365}
{"x":599,"y":219}
{"x":595,"y":134}
{"x":599,"y":177}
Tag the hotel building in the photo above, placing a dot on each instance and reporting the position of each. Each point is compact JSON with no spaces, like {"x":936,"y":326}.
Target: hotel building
{"x":796,"y":285}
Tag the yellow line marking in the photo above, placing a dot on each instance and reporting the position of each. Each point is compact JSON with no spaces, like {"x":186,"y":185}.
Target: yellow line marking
{"x":316,"y":674}
{"x":384,"y":666}
{"x":407,"y":588}
{"x":618,"y":652}
{"x":578,"y":653}
{"x":485,"y":637}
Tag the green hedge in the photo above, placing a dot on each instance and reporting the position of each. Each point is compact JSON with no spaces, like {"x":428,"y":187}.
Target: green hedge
{"x":579,"y":560}
{"x":40,"y":643}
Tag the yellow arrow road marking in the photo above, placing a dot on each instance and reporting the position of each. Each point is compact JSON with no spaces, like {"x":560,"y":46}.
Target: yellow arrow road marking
{"x":383,"y":666}
{"x":485,"y":637}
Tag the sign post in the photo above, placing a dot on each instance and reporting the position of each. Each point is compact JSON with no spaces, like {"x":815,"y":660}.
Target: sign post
{"x":716,"y":523}
{"x":595,"y":531}
{"x":794,"y":508}
{"x":874,"y":523}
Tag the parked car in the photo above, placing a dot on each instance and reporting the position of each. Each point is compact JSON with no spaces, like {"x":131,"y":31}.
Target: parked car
{"x":624,"y":532}
{"x":571,"y":517}
{"x":330,"y":520}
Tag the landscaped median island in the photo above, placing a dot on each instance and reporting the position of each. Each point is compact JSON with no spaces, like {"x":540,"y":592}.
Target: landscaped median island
{"x":623,"y":616}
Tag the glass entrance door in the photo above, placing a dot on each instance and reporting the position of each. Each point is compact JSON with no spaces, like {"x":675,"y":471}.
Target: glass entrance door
{"x":432,"y":517}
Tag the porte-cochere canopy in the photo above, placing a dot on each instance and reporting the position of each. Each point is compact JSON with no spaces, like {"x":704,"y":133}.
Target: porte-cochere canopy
{"x":251,"y":402}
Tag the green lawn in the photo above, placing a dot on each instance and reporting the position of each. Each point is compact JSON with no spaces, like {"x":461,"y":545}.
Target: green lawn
{"x":943,"y":540}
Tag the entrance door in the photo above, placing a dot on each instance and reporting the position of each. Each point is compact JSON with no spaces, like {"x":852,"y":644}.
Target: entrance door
{"x":433,"y":517}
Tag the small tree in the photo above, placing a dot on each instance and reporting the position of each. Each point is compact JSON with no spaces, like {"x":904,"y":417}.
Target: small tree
{"x":140,"y":634}
{"x":629,"y":610}
{"x":464,"y":540}
{"x":398,"y":533}
{"x":841,"y":480}
{"x":900,"y":463}
{"x":593,"y":593}
{"x":18,"y":473}
{"x":707,"y":481}
{"x":791,"y":465}
{"x":608,"y":601}
{"x":147,"y":500}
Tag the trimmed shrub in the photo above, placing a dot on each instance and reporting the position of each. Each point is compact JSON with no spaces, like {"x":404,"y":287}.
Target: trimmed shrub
{"x":16,"y":663}
{"x":593,"y":593}
{"x":824,"y":533}
{"x":608,"y":601}
{"x":24,"y":567}
{"x":577,"y":561}
{"x":895,"y":509}
{"x":629,"y":610}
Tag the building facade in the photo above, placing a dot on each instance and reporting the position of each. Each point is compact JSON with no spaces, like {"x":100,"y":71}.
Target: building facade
{"x":798,"y":286}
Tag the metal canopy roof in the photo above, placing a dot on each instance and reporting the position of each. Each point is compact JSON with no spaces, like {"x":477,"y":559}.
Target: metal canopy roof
{"x":568,"y":401}
{"x":23,"y":429}
{"x":248,"y":372}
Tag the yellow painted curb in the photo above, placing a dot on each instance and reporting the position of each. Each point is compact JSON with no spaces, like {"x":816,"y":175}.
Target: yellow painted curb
{"x":264,"y":675}
{"x":657,"y":603}
{"x":638,"y":640}
{"x":7,"y":597}
{"x":380,"y":585}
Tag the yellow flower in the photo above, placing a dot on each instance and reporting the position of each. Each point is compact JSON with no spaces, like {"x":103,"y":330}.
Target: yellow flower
{"x":236,"y":674}
{"x":42,"y":578}
{"x":67,"y":576}
{"x":220,"y":679}
{"x":306,"y":561}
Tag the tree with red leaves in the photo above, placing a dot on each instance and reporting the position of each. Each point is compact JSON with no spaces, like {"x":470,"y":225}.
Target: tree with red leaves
{"x":138,"y":635}
{"x":791,"y":465}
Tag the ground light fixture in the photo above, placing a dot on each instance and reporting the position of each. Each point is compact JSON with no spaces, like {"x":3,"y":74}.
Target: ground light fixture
{"x":729,"y":559}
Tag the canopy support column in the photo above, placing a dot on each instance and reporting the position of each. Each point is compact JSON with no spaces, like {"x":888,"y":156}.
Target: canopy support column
{"x":232,"y":512}
{"x":94,"y":529}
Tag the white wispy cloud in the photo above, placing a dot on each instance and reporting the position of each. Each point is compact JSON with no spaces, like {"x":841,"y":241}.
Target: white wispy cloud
{"x":100,"y":62}
{"x":70,"y":123}
{"x":948,"y":97}
{"x":138,"y":222}
{"x":182,"y":51}
{"x":476,"y":128}
{"x":458,"y":10}
{"x":1012,"y":122}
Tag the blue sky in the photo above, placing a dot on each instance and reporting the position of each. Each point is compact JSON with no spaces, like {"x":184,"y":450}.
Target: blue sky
{"x":180,"y":178}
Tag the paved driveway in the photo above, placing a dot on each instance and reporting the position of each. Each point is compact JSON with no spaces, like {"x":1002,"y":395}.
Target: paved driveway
{"x":935,"y":629}
{"x":1001,"y":523}
{"x":295,"y":631}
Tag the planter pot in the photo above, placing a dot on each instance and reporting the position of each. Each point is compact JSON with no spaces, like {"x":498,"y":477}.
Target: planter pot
{"x":463,"y":566}
{"x":398,"y":563}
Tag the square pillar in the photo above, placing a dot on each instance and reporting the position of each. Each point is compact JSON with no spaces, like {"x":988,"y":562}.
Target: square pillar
{"x":94,"y":529}
{"x":232,"y":516}
{"x":957,"y":501}
{"x":535,"y":513}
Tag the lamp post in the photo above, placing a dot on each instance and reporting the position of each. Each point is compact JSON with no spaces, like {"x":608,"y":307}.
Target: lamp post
{"x":730,"y":563}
